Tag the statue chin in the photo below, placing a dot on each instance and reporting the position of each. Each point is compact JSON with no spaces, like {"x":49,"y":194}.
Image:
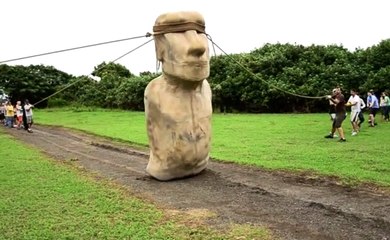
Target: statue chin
{"x":193,"y":71}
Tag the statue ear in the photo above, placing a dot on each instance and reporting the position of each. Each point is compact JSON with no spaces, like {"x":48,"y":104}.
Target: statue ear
{"x":159,"y":54}
{"x":159,"y":43}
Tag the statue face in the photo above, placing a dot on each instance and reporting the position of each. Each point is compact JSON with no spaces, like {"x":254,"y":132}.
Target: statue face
{"x":185,"y":55}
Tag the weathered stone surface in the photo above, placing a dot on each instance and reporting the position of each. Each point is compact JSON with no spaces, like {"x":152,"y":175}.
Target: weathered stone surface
{"x":178,"y":103}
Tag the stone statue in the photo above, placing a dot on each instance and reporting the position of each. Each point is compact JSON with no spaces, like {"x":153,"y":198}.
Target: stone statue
{"x":178,"y":103}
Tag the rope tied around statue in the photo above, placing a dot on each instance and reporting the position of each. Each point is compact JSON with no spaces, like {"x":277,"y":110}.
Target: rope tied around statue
{"x":178,"y":27}
{"x":201,"y":28}
{"x":160,"y":29}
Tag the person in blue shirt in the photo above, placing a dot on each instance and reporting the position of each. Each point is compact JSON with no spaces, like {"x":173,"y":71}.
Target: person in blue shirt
{"x":373,"y":106}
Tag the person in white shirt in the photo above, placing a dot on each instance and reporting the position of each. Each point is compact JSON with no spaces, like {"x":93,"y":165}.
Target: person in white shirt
{"x":29,"y":114}
{"x":354,"y":102}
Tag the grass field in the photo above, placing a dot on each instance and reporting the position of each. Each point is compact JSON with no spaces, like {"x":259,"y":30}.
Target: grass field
{"x":45,"y":199}
{"x":274,"y":141}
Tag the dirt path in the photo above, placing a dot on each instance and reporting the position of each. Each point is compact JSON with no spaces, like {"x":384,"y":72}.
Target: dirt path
{"x":293,"y":207}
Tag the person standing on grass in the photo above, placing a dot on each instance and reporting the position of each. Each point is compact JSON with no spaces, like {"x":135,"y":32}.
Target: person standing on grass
{"x":19,"y":114}
{"x":354,"y":103}
{"x":385,"y":105}
{"x":338,"y":99}
{"x":2,"y":113}
{"x":332,"y":110}
{"x":9,"y":114}
{"x":15,"y":120}
{"x":361,"y":115}
{"x":373,"y":106}
{"x":29,"y":115}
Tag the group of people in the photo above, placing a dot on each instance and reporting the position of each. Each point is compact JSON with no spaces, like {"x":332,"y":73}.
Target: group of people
{"x":338,"y":111}
{"x":18,"y":116}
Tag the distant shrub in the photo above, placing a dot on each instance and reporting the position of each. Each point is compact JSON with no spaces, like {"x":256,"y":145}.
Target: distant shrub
{"x":57,"y":102}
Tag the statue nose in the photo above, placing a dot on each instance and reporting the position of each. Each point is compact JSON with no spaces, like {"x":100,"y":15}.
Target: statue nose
{"x":197,"y":45}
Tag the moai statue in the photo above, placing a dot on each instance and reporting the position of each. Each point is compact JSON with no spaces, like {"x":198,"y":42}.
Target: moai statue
{"x":178,"y":103}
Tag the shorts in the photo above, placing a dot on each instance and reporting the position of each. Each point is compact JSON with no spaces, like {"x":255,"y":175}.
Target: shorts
{"x":340,"y":117}
{"x":354,"y":116}
{"x":20,"y":118}
{"x":2,"y":117}
{"x":361,"y":117}
{"x":29,"y":120}
{"x":373,"y":111}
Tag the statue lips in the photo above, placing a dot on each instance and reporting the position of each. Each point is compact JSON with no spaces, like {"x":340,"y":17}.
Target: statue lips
{"x":197,"y":64}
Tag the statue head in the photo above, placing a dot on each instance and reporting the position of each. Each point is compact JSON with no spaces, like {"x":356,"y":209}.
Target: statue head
{"x":182,"y":45}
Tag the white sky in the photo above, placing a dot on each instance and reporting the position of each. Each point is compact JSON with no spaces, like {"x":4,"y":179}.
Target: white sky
{"x":31,"y":27}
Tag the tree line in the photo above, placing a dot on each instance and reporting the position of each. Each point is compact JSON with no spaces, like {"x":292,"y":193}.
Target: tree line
{"x":247,"y":82}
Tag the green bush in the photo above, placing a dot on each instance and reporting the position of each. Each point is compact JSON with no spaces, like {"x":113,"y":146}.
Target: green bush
{"x":57,"y":102}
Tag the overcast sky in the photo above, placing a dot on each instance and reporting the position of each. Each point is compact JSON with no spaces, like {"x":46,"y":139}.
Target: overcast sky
{"x":36,"y":26}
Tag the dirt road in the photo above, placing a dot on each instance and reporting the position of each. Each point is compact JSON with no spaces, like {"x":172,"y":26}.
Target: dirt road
{"x":294,"y":207}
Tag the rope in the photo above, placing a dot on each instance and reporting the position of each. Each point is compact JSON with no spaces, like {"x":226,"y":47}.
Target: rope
{"x":213,"y":45}
{"x":143,"y":44}
{"x":75,"y":48}
{"x":178,"y":27}
{"x":157,"y":31}
{"x":71,"y":84}
{"x":255,"y":76}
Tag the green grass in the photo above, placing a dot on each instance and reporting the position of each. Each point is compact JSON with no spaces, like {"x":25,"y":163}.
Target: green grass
{"x":273,"y":141}
{"x":46,"y":199}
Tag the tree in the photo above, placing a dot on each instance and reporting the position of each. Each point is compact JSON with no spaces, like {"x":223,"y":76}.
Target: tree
{"x":378,"y":61}
{"x":130,"y":93}
{"x":84,"y":92}
{"x":34,"y":82}
{"x":113,"y":69}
